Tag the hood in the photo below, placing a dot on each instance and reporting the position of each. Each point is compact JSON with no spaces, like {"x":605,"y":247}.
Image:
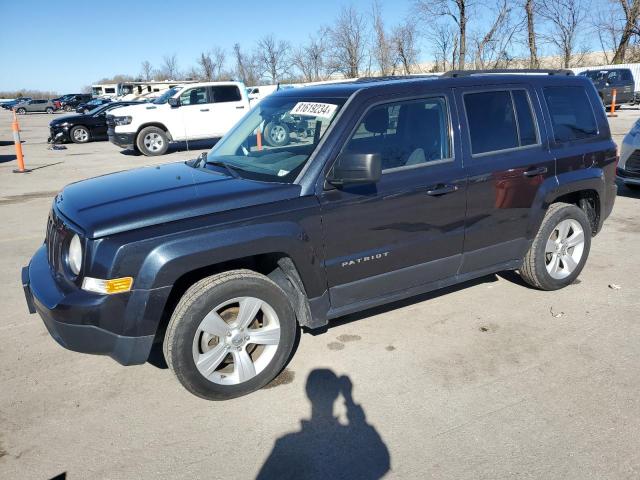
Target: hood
{"x":65,"y":118}
{"x":140,"y":109}
{"x":148,"y":196}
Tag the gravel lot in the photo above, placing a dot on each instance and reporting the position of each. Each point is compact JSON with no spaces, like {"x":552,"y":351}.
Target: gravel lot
{"x":486,"y":380}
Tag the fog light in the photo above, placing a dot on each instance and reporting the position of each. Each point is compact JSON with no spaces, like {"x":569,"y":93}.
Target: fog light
{"x":116,"y":285}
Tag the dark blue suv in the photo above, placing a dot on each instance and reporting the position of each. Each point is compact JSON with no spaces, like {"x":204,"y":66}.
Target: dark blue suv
{"x":386,"y":188}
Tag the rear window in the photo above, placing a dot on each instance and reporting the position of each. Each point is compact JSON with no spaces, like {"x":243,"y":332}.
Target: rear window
{"x":571,"y":113}
{"x":226,"y":93}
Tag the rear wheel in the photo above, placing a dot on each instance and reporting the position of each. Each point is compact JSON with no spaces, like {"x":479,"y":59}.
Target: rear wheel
{"x":79,"y":134}
{"x":230,"y":334}
{"x":49,"y":110}
{"x":560,"y":249}
{"x":21,"y":111}
{"x":67,"y":108}
{"x":152,"y":141}
{"x":276,"y":134}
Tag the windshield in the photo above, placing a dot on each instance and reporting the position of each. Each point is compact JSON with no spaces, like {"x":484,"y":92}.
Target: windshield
{"x":275,"y":139}
{"x":164,"y":98}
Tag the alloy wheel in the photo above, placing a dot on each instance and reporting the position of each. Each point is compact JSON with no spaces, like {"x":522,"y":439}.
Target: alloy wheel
{"x":564,"y":249}
{"x":153,"y":142}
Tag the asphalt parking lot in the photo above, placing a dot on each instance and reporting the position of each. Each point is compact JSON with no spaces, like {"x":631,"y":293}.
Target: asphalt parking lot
{"x":485,"y":380}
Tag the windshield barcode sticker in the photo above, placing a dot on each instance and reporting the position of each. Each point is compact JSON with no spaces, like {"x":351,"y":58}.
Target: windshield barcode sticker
{"x":311,"y":109}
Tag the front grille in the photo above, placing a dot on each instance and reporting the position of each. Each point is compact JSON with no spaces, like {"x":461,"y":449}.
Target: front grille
{"x":55,"y":238}
{"x":632,"y":164}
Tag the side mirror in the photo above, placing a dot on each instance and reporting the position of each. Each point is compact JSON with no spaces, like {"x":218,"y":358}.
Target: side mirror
{"x":174,"y":102}
{"x":356,"y":168}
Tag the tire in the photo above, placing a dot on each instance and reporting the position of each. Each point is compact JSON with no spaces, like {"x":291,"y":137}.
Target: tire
{"x":152,"y":141}
{"x":21,"y":111}
{"x":632,"y":186}
{"x":79,"y":134}
{"x":49,"y":110}
{"x":185,"y":340}
{"x":67,"y":108}
{"x":545,"y":270}
{"x":276,"y":134}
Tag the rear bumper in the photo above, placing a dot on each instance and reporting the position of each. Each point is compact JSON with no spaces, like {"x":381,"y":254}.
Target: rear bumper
{"x":124,"y":140}
{"x":121,"y":326}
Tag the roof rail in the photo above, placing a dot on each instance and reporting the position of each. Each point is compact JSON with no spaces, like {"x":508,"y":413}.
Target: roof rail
{"x":393,"y":77}
{"x":544,"y":71}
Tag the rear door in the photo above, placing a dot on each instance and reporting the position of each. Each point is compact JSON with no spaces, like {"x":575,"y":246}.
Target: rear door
{"x":506,"y":162}
{"x":408,"y":229}
{"x":227,"y":108}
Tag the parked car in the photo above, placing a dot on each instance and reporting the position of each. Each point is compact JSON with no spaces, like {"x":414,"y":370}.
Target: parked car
{"x":83,"y":128}
{"x":13,"y":103}
{"x":32,"y":106}
{"x":71,"y":101}
{"x":618,"y":79}
{"x":629,"y":165}
{"x":195,"y":111}
{"x":224,"y":257}
{"x":90,"y":105}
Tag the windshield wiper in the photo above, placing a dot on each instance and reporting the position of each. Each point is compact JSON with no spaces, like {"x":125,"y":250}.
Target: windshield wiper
{"x":218,"y":163}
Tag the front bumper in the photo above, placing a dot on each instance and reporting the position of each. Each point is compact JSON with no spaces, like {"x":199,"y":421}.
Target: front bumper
{"x":124,"y":140}
{"x":628,"y":177}
{"x":59,"y":134}
{"x":121,"y":326}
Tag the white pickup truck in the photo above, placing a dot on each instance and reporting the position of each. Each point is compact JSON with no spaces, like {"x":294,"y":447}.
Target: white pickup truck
{"x":188,"y":112}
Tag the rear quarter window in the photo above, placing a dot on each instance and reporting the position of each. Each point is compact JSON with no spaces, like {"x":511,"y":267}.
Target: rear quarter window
{"x":571,"y":113}
{"x":226,"y":93}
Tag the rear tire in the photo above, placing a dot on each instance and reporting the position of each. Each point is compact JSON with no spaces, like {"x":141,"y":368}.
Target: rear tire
{"x":21,"y":111}
{"x":152,"y":141}
{"x":276,"y":134}
{"x":230,"y":334}
{"x":560,"y":249}
{"x":67,"y":108}
{"x":632,"y":186}
{"x":49,"y":110}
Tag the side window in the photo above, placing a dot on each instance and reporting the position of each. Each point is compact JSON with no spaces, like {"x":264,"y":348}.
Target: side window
{"x":405,"y":134}
{"x":194,"y":96}
{"x":571,"y":113}
{"x":226,"y":93}
{"x":613,"y":77}
{"x":491,"y":119}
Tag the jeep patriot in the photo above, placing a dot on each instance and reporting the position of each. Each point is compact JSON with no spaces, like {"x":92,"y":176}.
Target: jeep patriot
{"x":385,"y":189}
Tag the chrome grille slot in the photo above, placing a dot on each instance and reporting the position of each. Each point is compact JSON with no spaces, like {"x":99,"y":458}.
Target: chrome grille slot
{"x":56,"y":233}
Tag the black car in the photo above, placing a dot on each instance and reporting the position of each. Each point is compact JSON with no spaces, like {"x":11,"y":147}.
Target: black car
{"x":92,"y":104}
{"x":85,"y":127}
{"x":404,"y":186}
{"x":610,"y":79}
{"x":69,"y":102}
{"x":9,"y":105}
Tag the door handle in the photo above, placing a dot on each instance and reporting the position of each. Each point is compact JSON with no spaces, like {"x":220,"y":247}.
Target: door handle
{"x":533,"y":172}
{"x":441,"y":190}
{"x":204,"y":109}
{"x":239,"y":108}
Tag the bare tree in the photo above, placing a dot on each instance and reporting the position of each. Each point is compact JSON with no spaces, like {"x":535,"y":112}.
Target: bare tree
{"x":455,"y":10}
{"x":218,"y":58}
{"x":445,"y":43}
{"x":382,"y":44}
{"x":631,"y":10}
{"x":492,"y":48}
{"x":607,"y":26}
{"x":245,"y":66}
{"x":529,"y":8}
{"x":205,"y":64}
{"x":405,"y":47}
{"x":273,"y":57}
{"x":146,"y":70}
{"x":348,"y":42}
{"x":310,"y":59}
{"x":564,"y":17}
{"x":170,"y":66}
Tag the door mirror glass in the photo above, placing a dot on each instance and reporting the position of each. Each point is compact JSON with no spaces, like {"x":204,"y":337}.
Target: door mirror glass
{"x":356,"y":168}
{"x":174,"y":102}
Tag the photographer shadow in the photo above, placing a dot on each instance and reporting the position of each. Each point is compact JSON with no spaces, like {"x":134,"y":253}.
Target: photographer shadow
{"x":323,"y":447}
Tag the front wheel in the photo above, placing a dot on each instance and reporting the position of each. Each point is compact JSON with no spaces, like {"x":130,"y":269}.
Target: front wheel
{"x":67,"y":108}
{"x":560,"y":249}
{"x":277,"y":134}
{"x":152,"y":141}
{"x":49,"y":110}
{"x":230,"y":334}
{"x":21,"y":111}
{"x":79,"y":134}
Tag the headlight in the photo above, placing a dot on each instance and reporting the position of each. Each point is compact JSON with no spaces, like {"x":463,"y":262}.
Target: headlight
{"x":122,"y":120}
{"x":74,"y":255}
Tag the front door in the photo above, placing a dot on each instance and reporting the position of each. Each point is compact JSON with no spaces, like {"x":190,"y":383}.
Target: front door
{"x":506,"y":163}
{"x":408,"y":229}
{"x":194,"y":116}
